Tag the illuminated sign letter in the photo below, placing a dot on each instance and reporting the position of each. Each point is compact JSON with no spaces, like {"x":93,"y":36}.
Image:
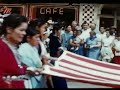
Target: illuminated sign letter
{"x":54,"y":10}
{"x":48,"y":10}
{"x":42,"y":10}
{"x":61,"y":11}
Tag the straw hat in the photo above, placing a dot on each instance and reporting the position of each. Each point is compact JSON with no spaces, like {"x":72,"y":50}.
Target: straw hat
{"x":50,"y":22}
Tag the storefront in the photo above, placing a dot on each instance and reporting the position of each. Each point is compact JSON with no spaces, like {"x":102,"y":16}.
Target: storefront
{"x":102,"y":14}
{"x":12,"y":8}
{"x":56,"y":12}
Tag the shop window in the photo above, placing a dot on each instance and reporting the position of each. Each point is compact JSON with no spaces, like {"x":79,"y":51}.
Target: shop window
{"x":57,"y":13}
{"x":106,"y":22}
{"x":107,"y":11}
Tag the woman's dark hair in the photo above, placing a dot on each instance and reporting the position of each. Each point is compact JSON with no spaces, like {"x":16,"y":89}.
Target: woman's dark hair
{"x":56,"y":27}
{"x":37,"y":22}
{"x":79,"y":30}
{"x":13,"y":21}
{"x":30,"y":32}
{"x":111,"y":33}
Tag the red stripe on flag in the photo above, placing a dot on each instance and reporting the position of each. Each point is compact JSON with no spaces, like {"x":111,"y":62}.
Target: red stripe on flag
{"x":63,"y":60}
{"x":90,"y":74}
{"x":70,"y":74}
{"x":83,"y":81}
{"x":93,"y":62}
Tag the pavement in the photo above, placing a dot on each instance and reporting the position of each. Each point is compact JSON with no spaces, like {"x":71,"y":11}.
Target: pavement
{"x":73,"y":84}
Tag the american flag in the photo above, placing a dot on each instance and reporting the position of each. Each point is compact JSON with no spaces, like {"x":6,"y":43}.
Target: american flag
{"x":82,"y":69}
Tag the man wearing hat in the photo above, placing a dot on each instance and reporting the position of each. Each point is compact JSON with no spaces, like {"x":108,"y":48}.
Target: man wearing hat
{"x":50,"y":24}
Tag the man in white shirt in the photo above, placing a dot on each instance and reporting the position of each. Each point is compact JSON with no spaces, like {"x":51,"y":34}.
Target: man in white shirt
{"x":85,"y":31}
{"x":93,"y":28}
{"x":102,"y":33}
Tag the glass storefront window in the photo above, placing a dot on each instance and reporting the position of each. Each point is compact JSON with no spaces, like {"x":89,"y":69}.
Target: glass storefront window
{"x":62,"y":13}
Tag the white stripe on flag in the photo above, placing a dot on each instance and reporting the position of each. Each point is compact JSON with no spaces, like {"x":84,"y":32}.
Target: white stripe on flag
{"x":80,"y":68}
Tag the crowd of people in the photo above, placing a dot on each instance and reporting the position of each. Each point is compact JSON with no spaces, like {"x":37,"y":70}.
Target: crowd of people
{"x":26,"y":46}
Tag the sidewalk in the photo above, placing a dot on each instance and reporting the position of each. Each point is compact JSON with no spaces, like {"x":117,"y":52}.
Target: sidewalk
{"x":72,"y":84}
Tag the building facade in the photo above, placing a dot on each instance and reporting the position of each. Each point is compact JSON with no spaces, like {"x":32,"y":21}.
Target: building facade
{"x":101,"y":14}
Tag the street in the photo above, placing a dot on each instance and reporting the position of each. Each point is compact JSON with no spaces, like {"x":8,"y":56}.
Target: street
{"x":73,"y":84}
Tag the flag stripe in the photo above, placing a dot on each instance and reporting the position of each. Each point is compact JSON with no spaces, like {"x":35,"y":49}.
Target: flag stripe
{"x":94,"y":66}
{"x":104,"y":75}
{"x":86,"y":70}
{"x":93,"y":62}
{"x":91,"y":75}
{"x":63,"y":60}
{"x":71,"y":74}
{"x":79,"y":77}
{"x":86,"y":81}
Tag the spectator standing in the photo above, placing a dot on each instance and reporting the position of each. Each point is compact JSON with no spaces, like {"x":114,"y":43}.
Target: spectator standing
{"x":116,"y":46}
{"x":93,"y":44}
{"x":66,"y":36}
{"x":106,"y":50}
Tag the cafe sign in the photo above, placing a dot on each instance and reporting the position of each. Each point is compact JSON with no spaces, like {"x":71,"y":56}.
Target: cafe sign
{"x":51,"y":10}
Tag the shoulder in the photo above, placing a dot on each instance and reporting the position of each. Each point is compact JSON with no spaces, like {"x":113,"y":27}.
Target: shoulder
{"x":1,"y":43}
{"x":24,"y":47}
{"x":115,"y":41}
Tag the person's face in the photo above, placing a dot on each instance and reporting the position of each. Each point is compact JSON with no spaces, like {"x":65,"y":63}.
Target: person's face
{"x":42,"y":29}
{"x":113,"y":30}
{"x":59,"y":32}
{"x":78,"y":32}
{"x":74,"y":24}
{"x":34,"y":40}
{"x":102,"y":30}
{"x":45,"y":36}
{"x":16,"y":35}
{"x":107,"y":34}
{"x":85,"y":26}
{"x":69,"y":28}
{"x":92,"y":26}
{"x":51,"y":26}
{"x":118,"y":38}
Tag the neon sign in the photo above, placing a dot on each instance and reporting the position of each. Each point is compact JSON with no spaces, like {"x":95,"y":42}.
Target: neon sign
{"x":48,"y":10}
{"x":5,"y":10}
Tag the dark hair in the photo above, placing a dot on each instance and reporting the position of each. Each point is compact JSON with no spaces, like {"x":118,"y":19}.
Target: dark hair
{"x":30,"y":32}
{"x":56,"y":27}
{"x":113,"y":28}
{"x":68,"y":25}
{"x":12,"y":21}
{"x":94,"y":33}
{"x":79,"y":30}
{"x":85,"y":22}
{"x":37,"y":22}
{"x":111,"y":33}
